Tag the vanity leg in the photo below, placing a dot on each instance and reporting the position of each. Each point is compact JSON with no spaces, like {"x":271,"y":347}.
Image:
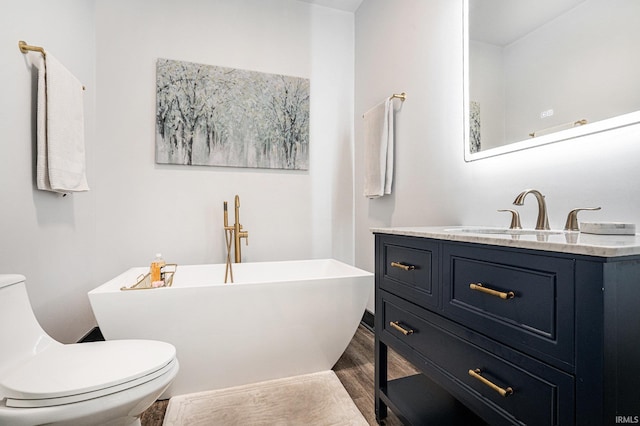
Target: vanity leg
{"x":380,"y":379}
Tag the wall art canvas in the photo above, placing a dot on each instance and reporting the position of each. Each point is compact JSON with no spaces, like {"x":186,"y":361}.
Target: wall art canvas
{"x":217,"y":116}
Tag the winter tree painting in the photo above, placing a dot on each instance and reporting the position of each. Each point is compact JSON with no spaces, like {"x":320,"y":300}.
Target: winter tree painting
{"x":216,"y":116}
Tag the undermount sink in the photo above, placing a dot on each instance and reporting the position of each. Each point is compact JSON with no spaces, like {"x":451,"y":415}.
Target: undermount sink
{"x":503,"y":231}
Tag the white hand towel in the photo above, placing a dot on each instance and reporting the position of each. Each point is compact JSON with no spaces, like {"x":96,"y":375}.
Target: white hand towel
{"x":378,"y":150}
{"x":60,"y":123}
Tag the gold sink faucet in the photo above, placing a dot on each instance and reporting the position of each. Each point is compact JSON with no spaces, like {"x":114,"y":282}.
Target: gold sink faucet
{"x":543,"y":219}
{"x":236,"y":230}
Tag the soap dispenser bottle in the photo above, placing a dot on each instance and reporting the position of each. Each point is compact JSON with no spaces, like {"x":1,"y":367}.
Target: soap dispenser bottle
{"x":156,"y":267}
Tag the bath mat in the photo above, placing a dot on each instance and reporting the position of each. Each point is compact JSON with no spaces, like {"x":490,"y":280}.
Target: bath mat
{"x":310,"y":399}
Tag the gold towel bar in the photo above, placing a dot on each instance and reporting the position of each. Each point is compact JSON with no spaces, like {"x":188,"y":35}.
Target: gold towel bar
{"x":26,"y":48}
{"x":559,"y":127}
{"x":402,"y":96}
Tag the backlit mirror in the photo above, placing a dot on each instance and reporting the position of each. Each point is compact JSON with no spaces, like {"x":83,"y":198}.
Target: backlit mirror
{"x":544,"y":71}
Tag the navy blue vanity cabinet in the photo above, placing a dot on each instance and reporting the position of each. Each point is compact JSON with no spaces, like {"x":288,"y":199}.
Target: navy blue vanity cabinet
{"x":411,"y":270}
{"x":522,"y":299}
{"x":507,"y":335}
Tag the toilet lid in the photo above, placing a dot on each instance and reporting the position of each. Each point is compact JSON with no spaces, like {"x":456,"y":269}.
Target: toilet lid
{"x":62,"y":374}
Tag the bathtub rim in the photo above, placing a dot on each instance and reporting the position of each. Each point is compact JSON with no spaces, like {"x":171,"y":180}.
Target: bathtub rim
{"x":128,"y":277}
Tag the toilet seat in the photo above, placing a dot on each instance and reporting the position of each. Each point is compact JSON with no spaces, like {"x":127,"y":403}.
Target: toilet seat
{"x":64,"y":374}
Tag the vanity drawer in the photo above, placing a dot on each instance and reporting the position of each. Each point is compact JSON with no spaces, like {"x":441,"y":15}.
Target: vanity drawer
{"x":523,"y":300}
{"x":534,"y":393}
{"x":408,"y":268}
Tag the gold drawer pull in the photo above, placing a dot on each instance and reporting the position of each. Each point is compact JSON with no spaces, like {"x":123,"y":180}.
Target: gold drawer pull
{"x":403,"y":266}
{"x":401,"y":329}
{"x":500,"y":294}
{"x":503,"y":392}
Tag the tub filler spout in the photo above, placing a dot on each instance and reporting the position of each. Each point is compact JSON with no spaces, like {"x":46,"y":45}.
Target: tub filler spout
{"x":236,"y":230}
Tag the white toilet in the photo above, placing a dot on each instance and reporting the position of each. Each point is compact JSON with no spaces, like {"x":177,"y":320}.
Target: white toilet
{"x":43,"y":381}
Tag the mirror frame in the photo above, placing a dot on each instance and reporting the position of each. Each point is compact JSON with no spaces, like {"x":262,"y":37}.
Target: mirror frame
{"x":619,"y":121}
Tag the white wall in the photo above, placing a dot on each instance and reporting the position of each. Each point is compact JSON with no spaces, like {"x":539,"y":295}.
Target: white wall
{"x":43,"y":236}
{"x":416,"y":46}
{"x":136,"y":208}
{"x":66,"y":246}
{"x":144,"y":208}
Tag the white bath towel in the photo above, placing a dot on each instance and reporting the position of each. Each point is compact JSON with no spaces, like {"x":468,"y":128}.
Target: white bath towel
{"x":378,"y":150}
{"x":60,"y":129}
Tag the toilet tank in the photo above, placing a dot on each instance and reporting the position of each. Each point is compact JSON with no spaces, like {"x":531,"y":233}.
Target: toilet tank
{"x":20,"y":335}
{"x":9,"y":279}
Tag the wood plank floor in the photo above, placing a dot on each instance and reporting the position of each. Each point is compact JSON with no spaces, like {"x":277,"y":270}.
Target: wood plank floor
{"x":354,"y":369}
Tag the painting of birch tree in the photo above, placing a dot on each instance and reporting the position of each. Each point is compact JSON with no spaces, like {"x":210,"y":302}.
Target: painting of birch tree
{"x":217,"y":116}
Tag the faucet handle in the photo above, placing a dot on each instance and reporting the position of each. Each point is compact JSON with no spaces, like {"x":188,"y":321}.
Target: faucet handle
{"x":515,"y":218}
{"x":245,"y":235}
{"x":572,"y":218}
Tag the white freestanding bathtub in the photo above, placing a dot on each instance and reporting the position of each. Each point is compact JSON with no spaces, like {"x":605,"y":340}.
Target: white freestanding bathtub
{"x":278,"y":319}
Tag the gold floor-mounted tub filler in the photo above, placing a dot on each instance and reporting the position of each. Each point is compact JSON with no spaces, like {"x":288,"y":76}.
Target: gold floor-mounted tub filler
{"x":233,"y":234}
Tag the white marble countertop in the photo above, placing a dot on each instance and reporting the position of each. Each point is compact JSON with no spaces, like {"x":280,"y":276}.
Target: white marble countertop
{"x":556,"y":241}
